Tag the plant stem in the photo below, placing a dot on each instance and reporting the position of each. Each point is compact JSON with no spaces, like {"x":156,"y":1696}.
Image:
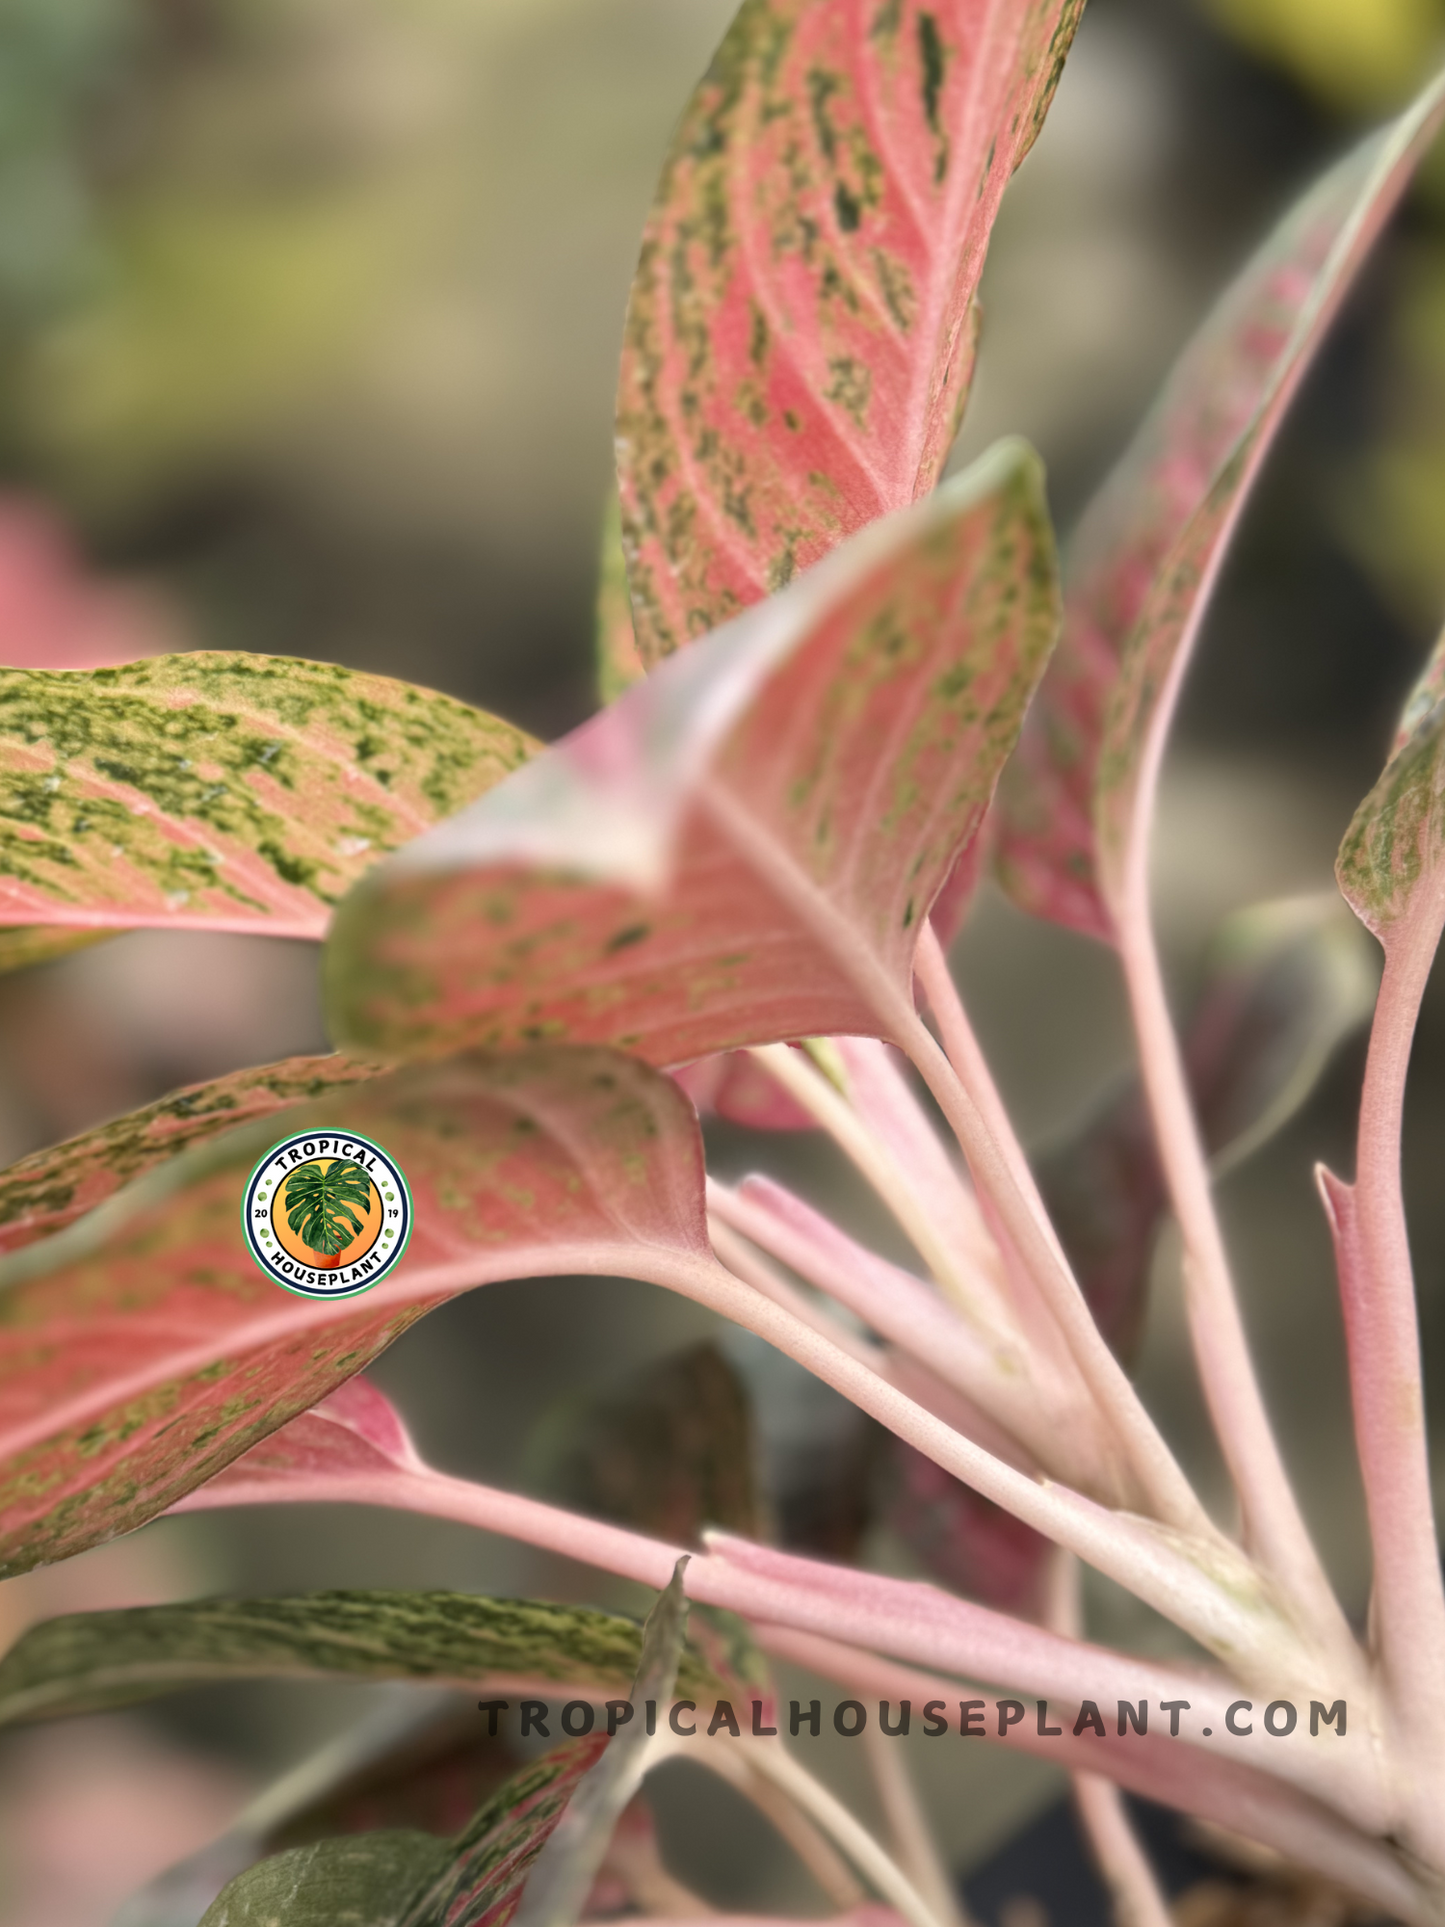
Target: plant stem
{"x":753,"y":1269}
{"x":738,"y":1767}
{"x":1408,"y":1610}
{"x":772,"y":1759}
{"x":970,"y":1293}
{"x":1038,"y":1404}
{"x":1236,"y":1796}
{"x":1274,"y":1531}
{"x":902,"y":1617}
{"x":959,"y":1078}
{"x":1122,"y":1861}
{"x":908,"y":1828}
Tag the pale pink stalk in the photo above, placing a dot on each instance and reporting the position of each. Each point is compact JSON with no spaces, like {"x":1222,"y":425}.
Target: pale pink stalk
{"x":879,"y":1090}
{"x":1407,"y":1620}
{"x":738,"y":1766}
{"x":910,"y":1620}
{"x":1274,"y":1530}
{"x":993,"y":1371}
{"x":1121,"y":1858}
{"x":1236,"y":1796}
{"x":970,"y":1288}
{"x":771,"y":1759}
{"x":913,"y":1843}
{"x":959,"y":1078}
{"x":745,"y":1263}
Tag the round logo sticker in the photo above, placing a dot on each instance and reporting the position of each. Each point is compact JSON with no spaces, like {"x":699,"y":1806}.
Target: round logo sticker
{"x":326,"y":1215}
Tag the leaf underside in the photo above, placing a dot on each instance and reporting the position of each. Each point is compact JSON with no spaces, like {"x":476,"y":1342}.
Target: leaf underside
{"x":366,"y":1880}
{"x":1073,"y":805}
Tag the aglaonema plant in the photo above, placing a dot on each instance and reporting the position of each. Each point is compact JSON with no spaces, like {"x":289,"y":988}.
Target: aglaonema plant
{"x":842,"y":685}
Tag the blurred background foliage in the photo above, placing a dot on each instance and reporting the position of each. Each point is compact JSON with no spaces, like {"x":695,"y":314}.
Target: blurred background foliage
{"x":309,"y":316}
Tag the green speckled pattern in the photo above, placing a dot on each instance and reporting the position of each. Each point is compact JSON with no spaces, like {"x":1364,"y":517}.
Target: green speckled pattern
{"x":83,"y":1662}
{"x":1397,"y":839}
{"x":802,"y":325}
{"x":222,"y":791}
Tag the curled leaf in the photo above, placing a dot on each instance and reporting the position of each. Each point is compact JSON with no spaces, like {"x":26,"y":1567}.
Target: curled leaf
{"x":745,"y":846}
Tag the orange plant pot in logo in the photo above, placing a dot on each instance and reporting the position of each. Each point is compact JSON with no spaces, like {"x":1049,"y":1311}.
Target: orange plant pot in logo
{"x":327,"y":1214}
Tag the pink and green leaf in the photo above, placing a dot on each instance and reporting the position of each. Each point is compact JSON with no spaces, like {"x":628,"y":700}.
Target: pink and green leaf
{"x":222,"y":791}
{"x":745,"y":847}
{"x":801,"y":330}
{"x":1389,"y":865}
{"x":618,"y":663}
{"x":1075,"y":803}
{"x":141,"y":1349}
{"x":87,"y":1662}
{"x":52,"y":1188}
{"x":563,"y":1876}
{"x":495,"y":1855}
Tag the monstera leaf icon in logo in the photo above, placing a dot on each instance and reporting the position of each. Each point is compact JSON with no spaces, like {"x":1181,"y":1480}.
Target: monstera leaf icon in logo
{"x":326,"y":1215}
{"x":319,"y":1201}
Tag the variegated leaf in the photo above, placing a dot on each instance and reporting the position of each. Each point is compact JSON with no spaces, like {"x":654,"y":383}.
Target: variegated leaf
{"x":141,"y":1349}
{"x":52,"y":1188}
{"x":745,"y":846}
{"x":559,"y":1883}
{"x":420,"y":1759}
{"x":86,"y":1662}
{"x":1389,"y":865}
{"x":222,"y":791}
{"x":1076,"y":799}
{"x":801,"y":329}
{"x":354,"y":1446}
{"x":493,"y":1857}
{"x":365,"y":1880}
{"x":618,"y":663}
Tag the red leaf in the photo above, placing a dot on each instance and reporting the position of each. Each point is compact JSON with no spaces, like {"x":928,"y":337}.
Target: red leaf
{"x":1076,"y":801}
{"x":141,"y":1353}
{"x":799,"y":340}
{"x":745,"y":846}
